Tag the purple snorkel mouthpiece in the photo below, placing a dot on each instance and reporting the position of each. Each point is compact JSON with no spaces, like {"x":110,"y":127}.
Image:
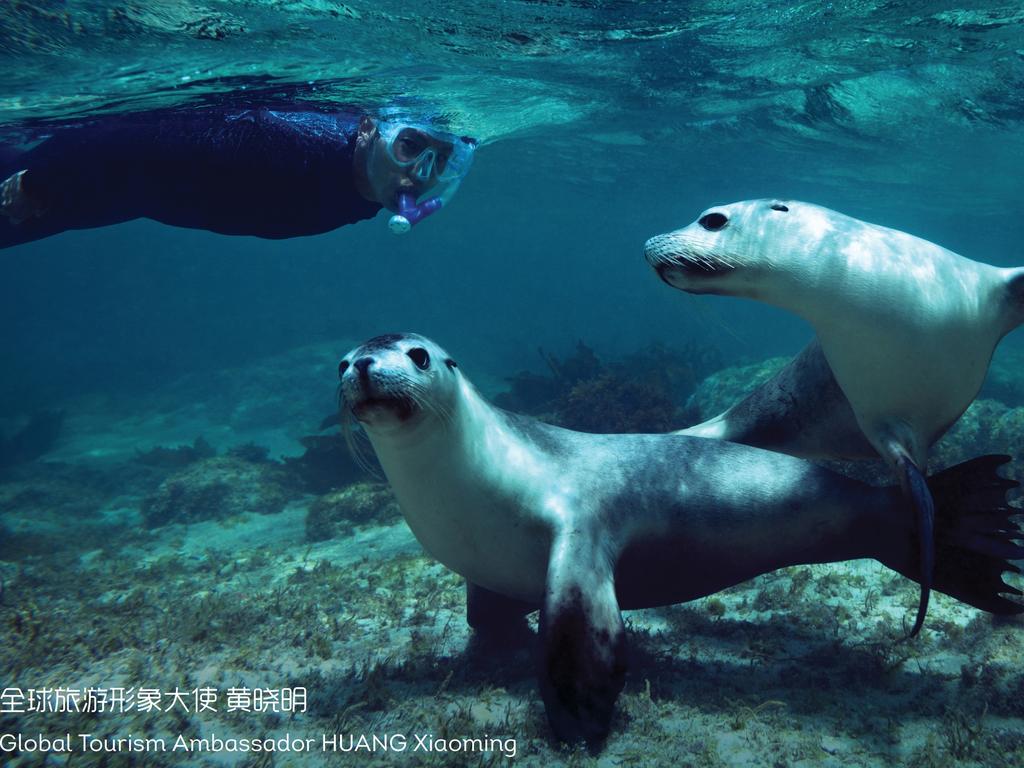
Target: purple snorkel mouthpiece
{"x":409,"y":213}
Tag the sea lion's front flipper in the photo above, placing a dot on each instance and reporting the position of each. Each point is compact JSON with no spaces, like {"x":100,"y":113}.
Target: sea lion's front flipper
{"x":583,"y":640}
{"x":489,"y":612}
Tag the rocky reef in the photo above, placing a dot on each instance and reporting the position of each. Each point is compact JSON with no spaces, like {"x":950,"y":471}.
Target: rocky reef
{"x":727,"y":386}
{"x":217,"y":488}
{"x":338,"y":513}
{"x":293,"y":572}
{"x":1005,"y":381}
{"x":330,"y":462}
{"x":988,"y":426}
{"x":639,"y":393}
{"x":32,"y":440}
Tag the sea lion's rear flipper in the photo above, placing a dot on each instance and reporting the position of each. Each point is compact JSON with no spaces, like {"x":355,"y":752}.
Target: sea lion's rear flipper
{"x":583,"y":640}
{"x":975,"y":537}
{"x":801,"y":410}
{"x":897,"y":448}
{"x":489,"y":612}
{"x":915,"y":487}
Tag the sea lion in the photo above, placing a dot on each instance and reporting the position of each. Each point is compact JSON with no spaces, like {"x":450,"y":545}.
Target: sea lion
{"x":583,"y":525}
{"x":906,"y":330}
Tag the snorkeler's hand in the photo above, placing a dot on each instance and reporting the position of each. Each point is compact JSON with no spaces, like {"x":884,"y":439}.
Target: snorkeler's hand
{"x":15,"y":202}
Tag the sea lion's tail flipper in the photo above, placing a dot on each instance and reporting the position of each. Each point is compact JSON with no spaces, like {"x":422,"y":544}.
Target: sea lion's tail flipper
{"x":975,"y":535}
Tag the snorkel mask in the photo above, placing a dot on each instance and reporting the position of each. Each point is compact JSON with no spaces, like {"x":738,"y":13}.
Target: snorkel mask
{"x":434,"y":160}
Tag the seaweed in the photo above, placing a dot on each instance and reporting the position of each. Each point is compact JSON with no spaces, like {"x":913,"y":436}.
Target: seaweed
{"x":963,"y":732}
{"x":218,"y":488}
{"x":612,"y":403}
{"x":339,"y":512}
{"x":642,"y":392}
{"x":534,"y":393}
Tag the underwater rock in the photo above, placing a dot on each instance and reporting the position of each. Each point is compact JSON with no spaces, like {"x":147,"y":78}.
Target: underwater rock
{"x":973,"y":433}
{"x":639,"y":393}
{"x":250,"y":452}
{"x":280,"y":392}
{"x":987,"y":426}
{"x":33,"y":440}
{"x":328,"y":464}
{"x":217,"y":488}
{"x":613,"y":404}
{"x":43,"y":501}
{"x":726,"y":387}
{"x":74,"y":491}
{"x":177,"y":457}
{"x":1004,"y":381}
{"x":1008,"y":435}
{"x":339,"y":512}
{"x":679,"y":371}
{"x":535,"y":393}
{"x":290,"y":389}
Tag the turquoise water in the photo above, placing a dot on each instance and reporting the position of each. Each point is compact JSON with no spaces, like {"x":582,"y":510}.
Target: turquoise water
{"x":601,"y":124}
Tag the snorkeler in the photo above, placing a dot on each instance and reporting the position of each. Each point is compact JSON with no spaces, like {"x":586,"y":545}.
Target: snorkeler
{"x":264,"y":172}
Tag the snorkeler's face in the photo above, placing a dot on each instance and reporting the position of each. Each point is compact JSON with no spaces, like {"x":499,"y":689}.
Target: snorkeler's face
{"x":396,"y":159}
{"x":410,"y":166}
{"x":423,"y":155}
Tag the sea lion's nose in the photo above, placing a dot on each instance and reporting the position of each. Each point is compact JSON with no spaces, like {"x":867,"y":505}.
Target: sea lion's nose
{"x":362,"y":366}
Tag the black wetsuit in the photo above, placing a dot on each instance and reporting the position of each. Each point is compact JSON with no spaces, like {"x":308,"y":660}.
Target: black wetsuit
{"x":262,"y":172}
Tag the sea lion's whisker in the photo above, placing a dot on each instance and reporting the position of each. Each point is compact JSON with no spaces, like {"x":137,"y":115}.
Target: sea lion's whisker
{"x":420,"y":395}
{"x":352,"y":434}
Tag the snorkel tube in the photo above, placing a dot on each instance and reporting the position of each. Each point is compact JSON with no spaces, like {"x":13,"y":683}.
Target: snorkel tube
{"x":410,"y":213}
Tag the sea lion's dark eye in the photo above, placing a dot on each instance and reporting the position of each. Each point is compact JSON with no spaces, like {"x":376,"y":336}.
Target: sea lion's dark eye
{"x":713,"y":221}
{"x":451,"y":363}
{"x":342,"y":367}
{"x":779,"y":207}
{"x":420,"y":357}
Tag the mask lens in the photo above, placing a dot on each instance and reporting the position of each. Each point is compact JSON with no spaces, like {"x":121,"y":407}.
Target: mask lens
{"x":434,"y":160}
{"x":409,"y":144}
{"x":455,"y":162}
{"x":441,"y":162}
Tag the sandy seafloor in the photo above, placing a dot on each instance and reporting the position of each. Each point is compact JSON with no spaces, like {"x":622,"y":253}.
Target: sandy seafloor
{"x":801,"y":667}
